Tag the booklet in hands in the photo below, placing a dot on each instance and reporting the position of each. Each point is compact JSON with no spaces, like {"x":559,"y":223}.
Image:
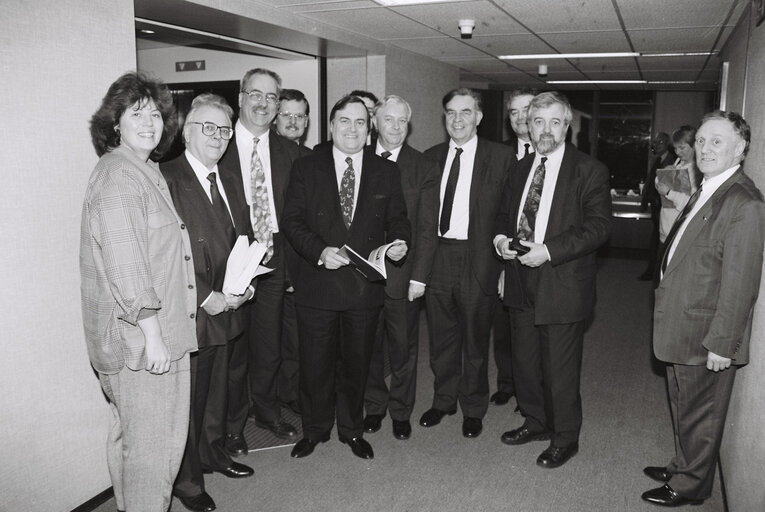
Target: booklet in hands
{"x":243,"y":266}
{"x":373,"y":268}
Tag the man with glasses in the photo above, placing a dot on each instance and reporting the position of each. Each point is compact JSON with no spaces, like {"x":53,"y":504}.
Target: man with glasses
{"x":261,"y":159}
{"x":292,"y":120}
{"x":213,"y":209}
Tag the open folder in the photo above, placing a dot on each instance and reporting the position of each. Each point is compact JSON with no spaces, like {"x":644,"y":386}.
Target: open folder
{"x":373,"y":268}
{"x":243,"y":265}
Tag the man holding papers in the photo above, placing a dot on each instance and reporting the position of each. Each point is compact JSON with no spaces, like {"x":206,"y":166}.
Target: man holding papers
{"x":340,"y":195}
{"x":213,"y":210}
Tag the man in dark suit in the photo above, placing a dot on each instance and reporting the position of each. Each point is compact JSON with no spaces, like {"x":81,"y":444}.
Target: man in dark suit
{"x":517,"y":109}
{"x":261,"y":159}
{"x":398,"y":332}
{"x":709,"y":281}
{"x":340,"y":196}
{"x":461,"y":295}
{"x":562,"y":212}
{"x":212,"y":207}
{"x":664,"y":157}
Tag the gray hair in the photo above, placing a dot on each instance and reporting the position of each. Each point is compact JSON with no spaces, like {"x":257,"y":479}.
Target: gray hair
{"x":208,"y":99}
{"x":392,"y":98}
{"x":546,"y":99}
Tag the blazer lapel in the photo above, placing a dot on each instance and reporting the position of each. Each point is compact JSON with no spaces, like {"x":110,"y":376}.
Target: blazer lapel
{"x":480,"y":167}
{"x":329,"y":180}
{"x":279,"y":162}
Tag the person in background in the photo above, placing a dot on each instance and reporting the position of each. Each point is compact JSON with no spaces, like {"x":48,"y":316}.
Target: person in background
{"x":664,"y":156}
{"x":398,"y":332}
{"x":292,"y":120}
{"x":370,"y":100}
{"x":675,"y":197}
{"x":261,"y":159}
{"x":462,"y":292}
{"x":558,"y":206}
{"x":138,"y":292}
{"x":709,"y":282}
{"x":212,"y":206}
{"x":337,"y":197}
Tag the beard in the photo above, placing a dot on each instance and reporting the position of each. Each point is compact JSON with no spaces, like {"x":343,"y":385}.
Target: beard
{"x":546,"y":144}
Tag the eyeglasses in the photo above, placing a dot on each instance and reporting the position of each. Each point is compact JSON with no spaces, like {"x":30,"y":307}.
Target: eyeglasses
{"x":209,"y":129}
{"x":259,"y":96}
{"x":293,"y":117}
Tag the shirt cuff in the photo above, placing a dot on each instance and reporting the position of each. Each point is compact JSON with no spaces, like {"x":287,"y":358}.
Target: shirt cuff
{"x":549,"y":258}
{"x":412,"y":281}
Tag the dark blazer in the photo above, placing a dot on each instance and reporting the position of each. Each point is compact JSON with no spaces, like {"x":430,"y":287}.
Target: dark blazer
{"x":209,"y":245}
{"x":705,"y":299}
{"x":419,"y":180}
{"x":313,"y":221}
{"x":491,"y":168}
{"x":579,"y":223}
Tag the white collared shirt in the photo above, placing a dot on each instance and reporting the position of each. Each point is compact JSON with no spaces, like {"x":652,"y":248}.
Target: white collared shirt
{"x":245,"y":144}
{"x":552,"y":169}
{"x":379,"y":150}
{"x":708,"y":187}
{"x":201,"y":172}
{"x":340,"y":167}
{"x":460,"y":221}
{"x":520,"y":150}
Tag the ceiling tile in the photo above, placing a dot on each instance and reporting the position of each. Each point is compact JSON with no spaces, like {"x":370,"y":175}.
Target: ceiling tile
{"x":444,"y":17}
{"x":664,"y":63}
{"x":290,"y":4}
{"x":334,"y":6}
{"x":613,"y":65}
{"x":510,"y":44}
{"x":480,"y":65}
{"x":675,"y":13}
{"x":580,"y":42}
{"x":378,"y":23}
{"x":563,"y":16}
{"x":438,"y":47}
{"x":674,"y":40}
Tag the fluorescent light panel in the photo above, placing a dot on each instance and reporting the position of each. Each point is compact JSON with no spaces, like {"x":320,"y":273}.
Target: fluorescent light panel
{"x":568,"y":82}
{"x":397,"y":3}
{"x":607,"y":55}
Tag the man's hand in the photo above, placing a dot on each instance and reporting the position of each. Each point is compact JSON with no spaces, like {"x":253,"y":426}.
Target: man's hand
{"x":505,"y":251}
{"x":235,"y":301}
{"x":416,"y":290}
{"x":501,"y":285}
{"x":535,"y":257}
{"x":396,"y":252}
{"x":717,"y":363}
{"x":215,"y":304}
{"x":332,"y":260}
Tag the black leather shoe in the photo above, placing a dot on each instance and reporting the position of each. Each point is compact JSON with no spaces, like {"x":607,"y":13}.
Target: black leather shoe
{"x":235,"y":470}
{"x":373,"y":422}
{"x":555,"y":456}
{"x":660,"y":474}
{"x":402,"y":429}
{"x":305,"y":446}
{"x":236,"y":445}
{"x":471,"y":427}
{"x":523,"y":435}
{"x":434,"y":416}
{"x":279,"y":428}
{"x":292,"y":405}
{"x":500,"y":398}
{"x":667,"y":497}
{"x":201,"y":502}
{"x":359,"y":447}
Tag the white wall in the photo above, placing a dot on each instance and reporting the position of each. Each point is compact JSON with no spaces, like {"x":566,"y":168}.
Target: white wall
{"x":222,"y":66}
{"x":53,"y":417}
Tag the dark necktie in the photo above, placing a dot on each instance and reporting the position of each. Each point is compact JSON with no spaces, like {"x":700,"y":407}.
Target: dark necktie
{"x":526,"y":150}
{"x":386,"y":154}
{"x":676,"y":227}
{"x":347,"y":185}
{"x":220,"y":209}
{"x":451,"y":187}
{"x":528,"y":220}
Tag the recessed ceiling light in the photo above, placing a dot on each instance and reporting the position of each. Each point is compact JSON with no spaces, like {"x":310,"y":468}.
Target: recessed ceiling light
{"x":568,"y":82}
{"x":146,"y":31}
{"x":569,"y":56}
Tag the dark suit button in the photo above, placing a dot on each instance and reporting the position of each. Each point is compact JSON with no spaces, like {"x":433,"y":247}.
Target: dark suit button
{"x":191,"y":287}
{"x":183,"y":226}
{"x":192,"y":315}
{"x":187,"y":258}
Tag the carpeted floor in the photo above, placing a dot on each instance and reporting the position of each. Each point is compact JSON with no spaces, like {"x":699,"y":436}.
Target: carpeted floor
{"x":626,"y":427}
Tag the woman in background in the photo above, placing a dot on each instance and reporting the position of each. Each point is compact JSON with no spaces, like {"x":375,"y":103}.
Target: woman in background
{"x":138,"y":295}
{"x":685,"y":182}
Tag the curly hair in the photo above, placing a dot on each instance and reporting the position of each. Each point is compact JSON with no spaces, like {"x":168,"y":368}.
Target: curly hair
{"x":126,"y":91}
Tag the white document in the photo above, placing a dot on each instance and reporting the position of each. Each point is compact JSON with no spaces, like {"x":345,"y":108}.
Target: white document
{"x":373,"y":268}
{"x":243,"y":265}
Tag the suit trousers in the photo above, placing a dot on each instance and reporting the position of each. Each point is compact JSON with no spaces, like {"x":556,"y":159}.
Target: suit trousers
{"x":238,"y":392}
{"x":288,"y":381}
{"x":547,"y":362}
{"x":335,"y":349}
{"x":699,"y":401}
{"x":399,"y":331}
{"x":459,"y":321}
{"x":265,"y":346}
{"x":150,"y":423}
{"x":502,"y":351}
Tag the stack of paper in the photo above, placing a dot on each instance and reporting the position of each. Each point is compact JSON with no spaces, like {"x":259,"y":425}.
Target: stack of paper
{"x":243,"y":266}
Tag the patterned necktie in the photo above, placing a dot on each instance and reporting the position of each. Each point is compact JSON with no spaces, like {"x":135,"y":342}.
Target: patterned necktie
{"x":347,"y":185}
{"x":386,"y":154}
{"x":261,"y":207}
{"x":528,"y":218}
{"x":526,"y":150}
{"x":220,"y":209}
{"x":451,"y":187}
{"x":676,"y":227}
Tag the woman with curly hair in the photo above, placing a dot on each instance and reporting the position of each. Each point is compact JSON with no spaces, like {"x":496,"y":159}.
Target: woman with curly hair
{"x":138,"y":295}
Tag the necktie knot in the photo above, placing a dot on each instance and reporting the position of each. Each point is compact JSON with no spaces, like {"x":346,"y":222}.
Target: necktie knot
{"x":526,"y":147}
{"x":349,"y":161}
{"x":255,"y":141}
{"x":386,"y":154}
{"x":211,"y":178}
{"x":458,"y":152}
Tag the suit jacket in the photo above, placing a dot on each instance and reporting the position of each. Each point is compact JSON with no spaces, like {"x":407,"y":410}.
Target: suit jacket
{"x":313,"y":221}
{"x":492,"y":165}
{"x":705,"y":299}
{"x":419,"y":180}
{"x":579,"y":223}
{"x":209,"y":246}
